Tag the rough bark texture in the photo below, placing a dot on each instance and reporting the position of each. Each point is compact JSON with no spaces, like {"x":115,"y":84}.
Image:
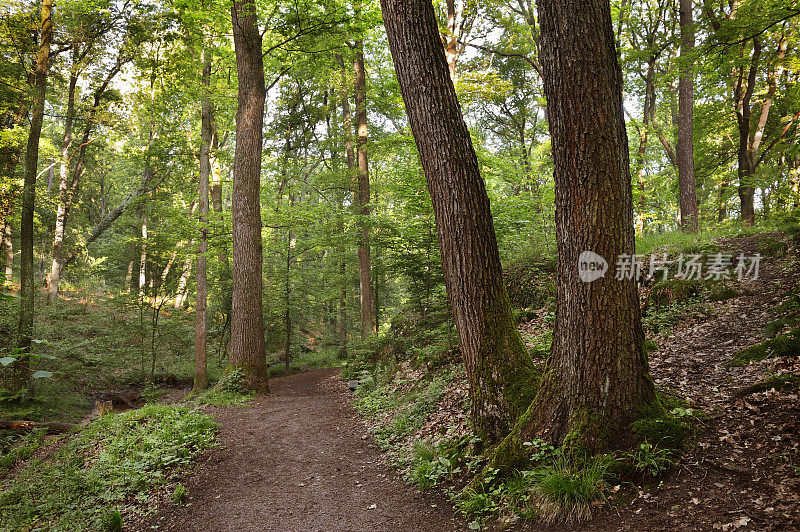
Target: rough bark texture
{"x":500,"y":372}
{"x":247,"y":322}
{"x":368,"y":325}
{"x":22,"y":372}
{"x":687,"y":191}
{"x":597,"y":379}
{"x":206,"y":133}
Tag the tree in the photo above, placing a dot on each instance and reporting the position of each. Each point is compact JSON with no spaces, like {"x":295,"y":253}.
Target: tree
{"x":206,"y":141}
{"x":596,"y":380}
{"x":247,"y":322}
{"x":27,"y":288}
{"x":687,"y":194}
{"x":368,"y":325}
{"x":499,"y":369}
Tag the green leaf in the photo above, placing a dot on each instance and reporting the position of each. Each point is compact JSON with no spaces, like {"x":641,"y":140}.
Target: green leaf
{"x":7,"y":360}
{"x":41,"y":374}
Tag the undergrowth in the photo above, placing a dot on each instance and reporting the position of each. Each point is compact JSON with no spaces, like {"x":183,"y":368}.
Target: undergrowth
{"x":106,"y":471}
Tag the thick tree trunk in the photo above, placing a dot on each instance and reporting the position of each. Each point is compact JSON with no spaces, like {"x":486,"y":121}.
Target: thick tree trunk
{"x":368,"y":325}
{"x":247,"y":325}
{"x":22,"y":373}
{"x":597,"y":377}
{"x":499,"y":369}
{"x":687,"y":191}
{"x":206,"y":133}
{"x":596,"y":381}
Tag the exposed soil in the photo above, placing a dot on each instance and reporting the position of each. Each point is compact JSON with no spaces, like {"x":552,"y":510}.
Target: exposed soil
{"x":300,"y":460}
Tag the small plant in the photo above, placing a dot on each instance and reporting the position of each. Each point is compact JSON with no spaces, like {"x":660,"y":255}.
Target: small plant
{"x":541,"y":451}
{"x":565,"y":490}
{"x":476,"y":506}
{"x":649,"y":459}
{"x":178,"y":493}
{"x":112,"y":521}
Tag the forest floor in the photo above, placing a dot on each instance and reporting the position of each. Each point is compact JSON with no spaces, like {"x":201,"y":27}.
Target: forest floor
{"x":302,"y":459}
{"x":299,"y":459}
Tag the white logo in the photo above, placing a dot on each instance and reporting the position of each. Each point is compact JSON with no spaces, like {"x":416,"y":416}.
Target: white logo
{"x":591,"y":266}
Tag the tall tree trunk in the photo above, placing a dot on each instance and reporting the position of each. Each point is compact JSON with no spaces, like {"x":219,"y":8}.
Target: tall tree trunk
{"x":743,"y":93}
{"x":143,"y":258}
{"x":499,"y":369}
{"x":63,"y":182}
{"x":67,"y":191}
{"x":368,"y":325}
{"x":206,"y":133}
{"x":22,"y":372}
{"x":687,"y":191}
{"x":597,"y":378}
{"x":247,"y":325}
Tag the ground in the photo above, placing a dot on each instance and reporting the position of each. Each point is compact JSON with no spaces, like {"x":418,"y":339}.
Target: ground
{"x":300,"y":460}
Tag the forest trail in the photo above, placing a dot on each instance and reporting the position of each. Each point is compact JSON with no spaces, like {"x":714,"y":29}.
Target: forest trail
{"x":300,"y":460}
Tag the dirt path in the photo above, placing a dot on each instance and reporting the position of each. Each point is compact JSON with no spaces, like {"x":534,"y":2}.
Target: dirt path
{"x":300,"y":460}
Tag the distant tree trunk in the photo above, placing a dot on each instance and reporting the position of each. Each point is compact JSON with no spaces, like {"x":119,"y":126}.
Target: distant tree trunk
{"x":597,"y":378}
{"x":247,"y":325}
{"x":129,"y":276}
{"x":63,"y":181}
{"x":22,"y":372}
{"x":206,"y":133}
{"x":143,"y":258}
{"x":499,"y":369}
{"x":67,"y":190}
{"x":368,"y":325}
{"x":685,"y":150}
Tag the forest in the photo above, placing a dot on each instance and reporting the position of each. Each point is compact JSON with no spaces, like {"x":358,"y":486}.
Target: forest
{"x":399,"y":265}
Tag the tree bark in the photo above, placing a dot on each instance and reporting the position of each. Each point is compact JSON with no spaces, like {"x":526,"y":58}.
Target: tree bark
{"x":596,"y":380}
{"x":206,"y":134}
{"x":499,"y":369}
{"x":368,"y":325}
{"x":22,"y":372}
{"x":247,"y":325}
{"x":687,"y":191}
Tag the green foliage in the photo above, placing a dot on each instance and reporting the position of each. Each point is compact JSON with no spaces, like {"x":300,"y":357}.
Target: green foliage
{"x":178,"y":493}
{"x":430,"y":464}
{"x":771,"y":247}
{"x":565,"y":490}
{"x":117,"y":459}
{"x":649,"y":459}
{"x":14,"y":448}
{"x":229,"y":390}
